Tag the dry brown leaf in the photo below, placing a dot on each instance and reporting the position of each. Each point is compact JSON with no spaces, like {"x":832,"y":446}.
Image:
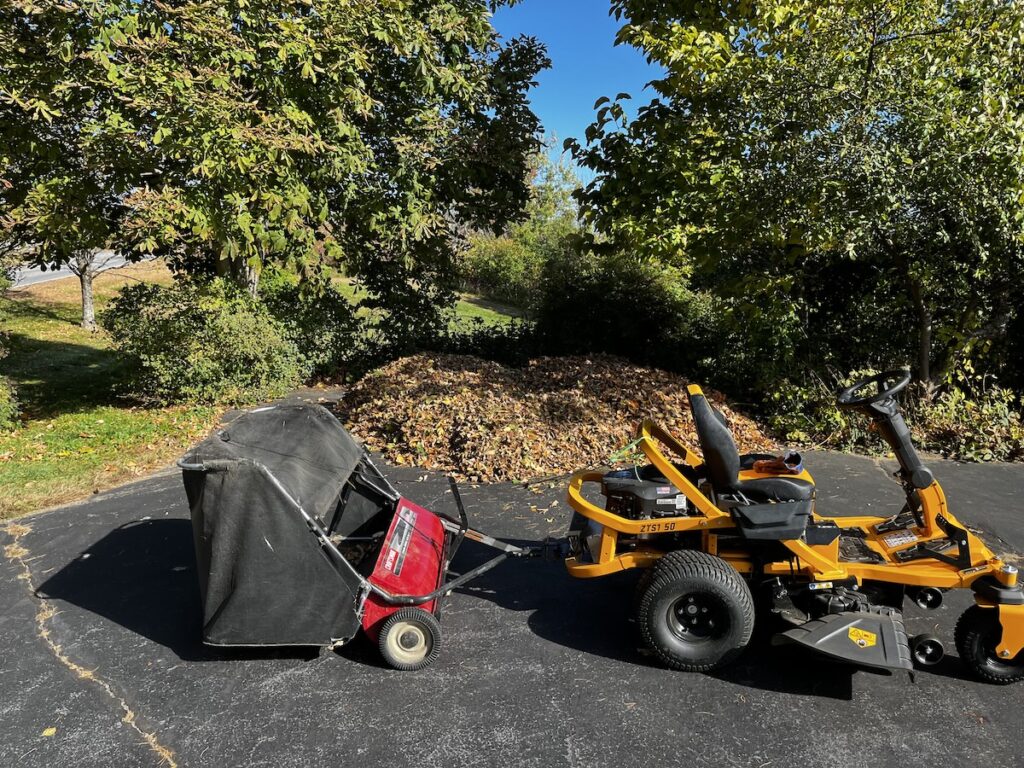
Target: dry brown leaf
{"x":482,"y":421}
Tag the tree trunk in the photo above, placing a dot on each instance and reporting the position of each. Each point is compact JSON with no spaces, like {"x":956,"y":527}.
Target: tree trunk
{"x":84,"y":269}
{"x":924,"y":337}
{"x":241,"y":272}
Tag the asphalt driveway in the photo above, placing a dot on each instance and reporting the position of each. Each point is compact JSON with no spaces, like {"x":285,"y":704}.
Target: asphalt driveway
{"x":102,"y":664}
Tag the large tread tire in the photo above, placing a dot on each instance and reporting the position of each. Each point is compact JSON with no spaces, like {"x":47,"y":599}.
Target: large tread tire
{"x":641,"y":587}
{"x":976,"y":635}
{"x":690,"y":580}
{"x":410,"y":639}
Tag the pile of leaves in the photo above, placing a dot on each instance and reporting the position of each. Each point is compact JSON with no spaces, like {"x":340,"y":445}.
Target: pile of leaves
{"x":483,"y":422}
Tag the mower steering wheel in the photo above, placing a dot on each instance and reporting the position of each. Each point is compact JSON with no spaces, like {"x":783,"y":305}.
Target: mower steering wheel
{"x":887,"y":385}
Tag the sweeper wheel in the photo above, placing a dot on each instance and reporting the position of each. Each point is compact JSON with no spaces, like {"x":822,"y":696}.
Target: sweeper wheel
{"x":410,"y":639}
{"x":696,"y":612}
{"x":977,"y":634}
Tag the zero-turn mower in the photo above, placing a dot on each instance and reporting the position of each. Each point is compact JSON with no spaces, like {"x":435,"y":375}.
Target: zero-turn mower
{"x":721,"y":533}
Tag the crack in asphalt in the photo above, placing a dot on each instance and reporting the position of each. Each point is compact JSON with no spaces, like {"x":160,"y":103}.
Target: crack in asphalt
{"x":18,"y":554}
{"x":877,"y":461}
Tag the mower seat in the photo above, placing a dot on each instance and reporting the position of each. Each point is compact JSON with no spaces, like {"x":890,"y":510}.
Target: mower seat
{"x":724,"y":463}
{"x":764,"y":489}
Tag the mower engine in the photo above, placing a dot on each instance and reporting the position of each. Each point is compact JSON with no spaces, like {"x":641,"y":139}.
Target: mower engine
{"x":636,"y":493}
{"x":640,"y":493}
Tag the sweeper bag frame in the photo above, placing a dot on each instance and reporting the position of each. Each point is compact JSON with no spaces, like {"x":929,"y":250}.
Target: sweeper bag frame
{"x":376,"y":561}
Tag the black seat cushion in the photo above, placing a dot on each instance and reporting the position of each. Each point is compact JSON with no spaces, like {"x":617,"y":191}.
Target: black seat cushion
{"x":776,"y":489}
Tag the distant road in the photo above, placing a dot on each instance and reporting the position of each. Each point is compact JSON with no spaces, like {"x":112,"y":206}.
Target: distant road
{"x":32,"y":275}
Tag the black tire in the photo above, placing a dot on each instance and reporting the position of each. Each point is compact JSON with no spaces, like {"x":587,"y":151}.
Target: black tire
{"x":696,"y":612}
{"x":926,"y":650}
{"x":641,"y":587}
{"x":410,"y":639}
{"x":977,"y":634}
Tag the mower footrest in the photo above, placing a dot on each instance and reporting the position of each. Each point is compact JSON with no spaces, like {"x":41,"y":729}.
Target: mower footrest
{"x":873,"y":637}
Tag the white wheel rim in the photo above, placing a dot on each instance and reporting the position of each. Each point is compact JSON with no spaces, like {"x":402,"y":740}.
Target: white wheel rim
{"x":408,"y":642}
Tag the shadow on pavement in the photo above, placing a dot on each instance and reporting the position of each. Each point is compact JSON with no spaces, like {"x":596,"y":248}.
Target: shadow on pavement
{"x":142,"y":576}
{"x":594,"y":617}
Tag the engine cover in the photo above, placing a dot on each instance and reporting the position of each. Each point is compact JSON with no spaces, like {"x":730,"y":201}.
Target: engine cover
{"x":639,"y":493}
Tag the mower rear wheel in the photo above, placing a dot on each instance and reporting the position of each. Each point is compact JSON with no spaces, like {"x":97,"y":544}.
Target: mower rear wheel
{"x":410,"y":639}
{"x":696,"y":612}
{"x":977,"y":634}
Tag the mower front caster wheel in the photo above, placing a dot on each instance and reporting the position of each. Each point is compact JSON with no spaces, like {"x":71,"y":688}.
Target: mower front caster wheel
{"x":410,"y":639}
{"x":696,"y":612}
{"x":977,"y":634}
{"x":927,"y":650}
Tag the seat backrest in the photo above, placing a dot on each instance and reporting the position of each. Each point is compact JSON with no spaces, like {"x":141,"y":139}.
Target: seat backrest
{"x":721,"y":457}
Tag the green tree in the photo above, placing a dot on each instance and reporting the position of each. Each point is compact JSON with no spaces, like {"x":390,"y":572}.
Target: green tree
{"x":64,"y":164}
{"x":508,"y":265}
{"x":229,"y":134}
{"x":799,"y":151}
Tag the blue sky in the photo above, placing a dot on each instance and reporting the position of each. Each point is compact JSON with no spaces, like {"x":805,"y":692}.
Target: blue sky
{"x":585,"y":62}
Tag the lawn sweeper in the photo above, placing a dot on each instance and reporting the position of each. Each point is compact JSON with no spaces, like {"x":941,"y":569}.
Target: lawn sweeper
{"x":301,"y":540}
{"x":721,"y":534}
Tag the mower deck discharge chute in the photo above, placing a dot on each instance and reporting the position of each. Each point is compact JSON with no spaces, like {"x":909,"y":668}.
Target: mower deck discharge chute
{"x":719,"y":532}
{"x":301,"y":540}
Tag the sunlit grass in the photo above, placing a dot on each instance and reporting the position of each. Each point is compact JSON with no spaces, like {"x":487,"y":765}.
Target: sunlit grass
{"x":79,"y":434}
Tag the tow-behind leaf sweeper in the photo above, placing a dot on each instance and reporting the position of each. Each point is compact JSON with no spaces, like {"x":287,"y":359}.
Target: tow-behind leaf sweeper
{"x":300,"y":540}
{"x":717,"y":533}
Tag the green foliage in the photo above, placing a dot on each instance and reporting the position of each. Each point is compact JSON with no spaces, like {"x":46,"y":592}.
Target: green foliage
{"x":509,"y":267}
{"x":323,"y":327}
{"x":846,"y":175}
{"x":805,"y":412}
{"x":201,"y":342}
{"x":8,"y":399}
{"x":513,"y":343}
{"x":233,"y":135}
{"x":976,"y":423}
{"x":645,"y":311}
{"x":67,"y":158}
{"x":9,"y":409}
{"x":503,"y":269}
{"x":973,"y":419}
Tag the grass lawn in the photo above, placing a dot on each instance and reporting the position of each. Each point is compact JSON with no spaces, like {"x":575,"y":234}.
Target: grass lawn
{"x":467,"y":309}
{"x":78,"y":434}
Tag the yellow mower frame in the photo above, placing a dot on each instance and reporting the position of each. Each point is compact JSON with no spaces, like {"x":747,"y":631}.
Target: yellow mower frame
{"x":815,"y":563}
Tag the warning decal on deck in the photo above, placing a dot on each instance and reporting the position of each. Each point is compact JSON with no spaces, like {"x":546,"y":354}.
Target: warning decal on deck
{"x":899,"y":538}
{"x":862,"y":638}
{"x":398,"y":545}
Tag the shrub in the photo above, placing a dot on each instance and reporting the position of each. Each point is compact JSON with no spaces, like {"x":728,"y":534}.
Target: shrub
{"x":806,"y":413}
{"x":504,"y":269}
{"x":323,"y":327}
{"x":8,"y":399}
{"x":970,"y":419}
{"x":976,"y":423}
{"x":201,"y":342}
{"x":513,"y":343}
{"x":8,"y":405}
{"x":643,"y":311}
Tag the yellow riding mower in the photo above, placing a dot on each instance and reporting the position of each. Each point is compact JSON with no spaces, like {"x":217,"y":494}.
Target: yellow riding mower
{"x":714,"y":532}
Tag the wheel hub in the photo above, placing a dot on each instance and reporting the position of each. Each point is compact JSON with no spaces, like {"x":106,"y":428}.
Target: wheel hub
{"x":696,"y":617}
{"x":409,"y":640}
